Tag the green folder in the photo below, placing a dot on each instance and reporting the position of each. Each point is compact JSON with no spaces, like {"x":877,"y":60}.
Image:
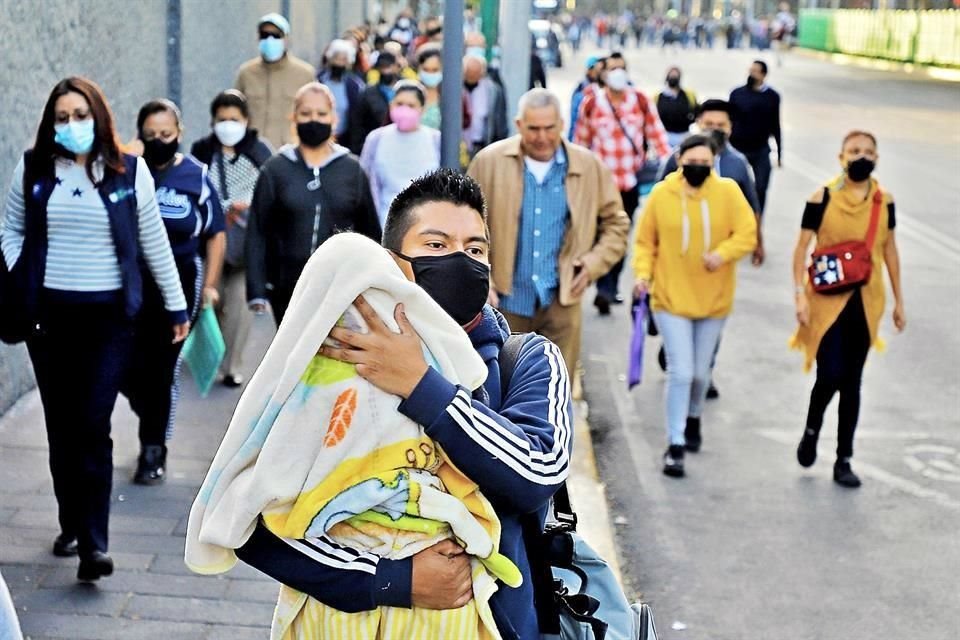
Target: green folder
{"x":203,"y":350}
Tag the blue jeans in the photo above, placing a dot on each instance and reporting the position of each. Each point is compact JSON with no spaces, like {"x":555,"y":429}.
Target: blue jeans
{"x":690,"y":345}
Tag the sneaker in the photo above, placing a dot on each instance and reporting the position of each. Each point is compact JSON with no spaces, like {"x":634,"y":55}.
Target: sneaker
{"x":807,"y":451}
{"x":712,"y":392}
{"x":692,"y":435}
{"x":843,"y":475}
{"x":602,"y":303}
{"x":673,"y":461}
{"x":151,"y":465}
{"x":232,"y":381}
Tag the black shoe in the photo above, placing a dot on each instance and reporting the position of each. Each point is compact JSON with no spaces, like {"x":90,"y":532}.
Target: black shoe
{"x":843,"y":475}
{"x":807,"y":450}
{"x":692,"y":435}
{"x":602,"y":303}
{"x":673,"y":461}
{"x":151,"y":465}
{"x":712,"y":392}
{"x":233,"y":381}
{"x":662,"y":358}
{"x":617,"y":299}
{"x":94,"y":567}
{"x":65,"y":546}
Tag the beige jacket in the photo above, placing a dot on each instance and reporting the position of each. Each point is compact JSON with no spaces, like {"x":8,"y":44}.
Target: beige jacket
{"x":598,"y":228}
{"x":270,"y":88}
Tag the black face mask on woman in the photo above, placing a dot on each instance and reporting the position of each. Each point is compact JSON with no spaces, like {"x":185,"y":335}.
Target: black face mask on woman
{"x":157,"y":153}
{"x":313,"y":133}
{"x":695,"y":174}
{"x":456,"y":282}
{"x":860,"y":169}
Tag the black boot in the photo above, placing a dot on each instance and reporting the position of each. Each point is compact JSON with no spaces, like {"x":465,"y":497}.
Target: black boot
{"x":602,"y":303}
{"x":662,"y":358}
{"x":807,"y":451}
{"x":94,"y":567}
{"x":673,"y":461}
{"x":712,"y":392}
{"x":843,"y":475}
{"x":151,"y":465}
{"x":692,"y":435}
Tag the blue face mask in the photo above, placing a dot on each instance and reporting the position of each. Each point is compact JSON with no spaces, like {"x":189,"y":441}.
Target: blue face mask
{"x":75,"y":136}
{"x":272,"y":49}
{"x":480,"y":52}
{"x":431,"y":79}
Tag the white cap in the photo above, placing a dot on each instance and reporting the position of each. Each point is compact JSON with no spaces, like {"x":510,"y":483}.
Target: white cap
{"x":276,"y":20}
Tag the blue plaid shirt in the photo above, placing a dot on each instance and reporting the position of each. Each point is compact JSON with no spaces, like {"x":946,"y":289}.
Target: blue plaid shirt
{"x":543,"y":224}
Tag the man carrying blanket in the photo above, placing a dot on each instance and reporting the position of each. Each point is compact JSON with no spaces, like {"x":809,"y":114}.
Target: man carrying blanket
{"x":427,"y":520}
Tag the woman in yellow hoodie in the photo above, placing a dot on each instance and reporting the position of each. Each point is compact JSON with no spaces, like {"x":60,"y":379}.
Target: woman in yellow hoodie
{"x":695,"y":226}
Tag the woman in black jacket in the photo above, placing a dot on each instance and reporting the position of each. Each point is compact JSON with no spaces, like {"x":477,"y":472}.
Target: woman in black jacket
{"x":304,"y":195}
{"x":234,"y":154}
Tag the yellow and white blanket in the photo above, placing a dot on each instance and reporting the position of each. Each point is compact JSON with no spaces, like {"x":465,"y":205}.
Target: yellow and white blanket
{"x":317,"y":451}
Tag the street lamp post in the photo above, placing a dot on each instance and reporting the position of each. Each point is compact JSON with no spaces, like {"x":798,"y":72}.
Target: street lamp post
{"x":451,"y":88}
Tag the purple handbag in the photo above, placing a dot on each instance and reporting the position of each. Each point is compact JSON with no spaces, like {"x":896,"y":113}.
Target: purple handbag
{"x":635,"y":357}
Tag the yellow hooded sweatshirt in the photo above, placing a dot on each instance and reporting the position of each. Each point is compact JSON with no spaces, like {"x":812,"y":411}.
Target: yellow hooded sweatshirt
{"x":671,"y":241}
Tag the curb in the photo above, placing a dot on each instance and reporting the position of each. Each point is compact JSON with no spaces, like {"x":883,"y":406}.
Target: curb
{"x":588,"y":494}
{"x":879,"y":64}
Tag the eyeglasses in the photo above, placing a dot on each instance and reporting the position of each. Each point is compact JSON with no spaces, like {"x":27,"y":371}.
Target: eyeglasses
{"x":270,"y":34}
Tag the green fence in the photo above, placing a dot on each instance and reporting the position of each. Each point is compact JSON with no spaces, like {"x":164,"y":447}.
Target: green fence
{"x":921,"y":37}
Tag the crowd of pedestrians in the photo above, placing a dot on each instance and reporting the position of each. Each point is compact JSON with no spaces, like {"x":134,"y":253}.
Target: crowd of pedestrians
{"x":124,"y":244}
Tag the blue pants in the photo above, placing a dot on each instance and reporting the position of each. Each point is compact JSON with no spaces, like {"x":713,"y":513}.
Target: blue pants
{"x":760,"y":162}
{"x":79,"y":360}
{"x":690,"y":345}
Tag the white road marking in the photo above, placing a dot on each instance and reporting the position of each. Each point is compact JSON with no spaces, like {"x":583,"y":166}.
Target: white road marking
{"x":934,"y":461}
{"x":878,"y":474}
{"x":907,"y":225}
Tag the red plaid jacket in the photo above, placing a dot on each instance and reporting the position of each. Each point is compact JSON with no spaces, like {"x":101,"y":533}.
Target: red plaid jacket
{"x":597,"y":129}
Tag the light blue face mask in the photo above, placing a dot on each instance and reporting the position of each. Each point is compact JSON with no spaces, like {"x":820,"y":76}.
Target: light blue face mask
{"x":75,"y":136}
{"x":272,"y":49}
{"x":480,"y":52}
{"x":431,"y":79}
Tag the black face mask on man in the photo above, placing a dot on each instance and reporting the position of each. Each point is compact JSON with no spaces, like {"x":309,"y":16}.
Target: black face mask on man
{"x":456,"y":282}
{"x":157,"y":153}
{"x":860,"y":169}
{"x":719,"y":138}
{"x":673,"y":82}
{"x":313,"y":133}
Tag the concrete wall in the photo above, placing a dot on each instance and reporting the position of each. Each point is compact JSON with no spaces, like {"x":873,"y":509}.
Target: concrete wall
{"x":121,"y":44}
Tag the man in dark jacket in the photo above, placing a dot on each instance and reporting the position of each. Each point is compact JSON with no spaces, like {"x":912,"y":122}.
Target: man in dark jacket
{"x":372,"y":108}
{"x":488,"y":106}
{"x":346,"y":85}
{"x":515,"y":445}
{"x":755,"y":108}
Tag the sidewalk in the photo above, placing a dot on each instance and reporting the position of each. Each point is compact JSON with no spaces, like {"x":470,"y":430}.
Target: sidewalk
{"x":152,"y":594}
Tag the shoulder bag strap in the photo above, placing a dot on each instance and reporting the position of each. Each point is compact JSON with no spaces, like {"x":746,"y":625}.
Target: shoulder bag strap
{"x":222,"y":170}
{"x":874,"y":219}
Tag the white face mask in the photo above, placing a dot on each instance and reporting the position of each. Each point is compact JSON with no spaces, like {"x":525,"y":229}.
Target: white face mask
{"x":229,"y":132}
{"x":617,"y":79}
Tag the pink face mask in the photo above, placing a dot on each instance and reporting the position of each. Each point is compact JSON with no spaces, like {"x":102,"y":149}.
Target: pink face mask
{"x":406,"y":118}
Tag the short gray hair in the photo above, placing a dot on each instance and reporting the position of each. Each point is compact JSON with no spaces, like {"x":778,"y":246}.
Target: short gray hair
{"x":341,"y":46}
{"x":537,"y":99}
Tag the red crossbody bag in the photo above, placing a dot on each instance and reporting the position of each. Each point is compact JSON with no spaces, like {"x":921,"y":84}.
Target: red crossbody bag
{"x":847,"y":265}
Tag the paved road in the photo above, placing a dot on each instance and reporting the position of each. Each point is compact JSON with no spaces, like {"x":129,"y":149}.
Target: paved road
{"x":750,"y":545}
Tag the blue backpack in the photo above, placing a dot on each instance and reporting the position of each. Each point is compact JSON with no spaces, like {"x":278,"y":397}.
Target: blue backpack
{"x":576,"y":594}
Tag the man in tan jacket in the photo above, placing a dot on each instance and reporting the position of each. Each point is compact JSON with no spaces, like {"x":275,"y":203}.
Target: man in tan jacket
{"x":556,"y":223}
{"x":271,"y":80}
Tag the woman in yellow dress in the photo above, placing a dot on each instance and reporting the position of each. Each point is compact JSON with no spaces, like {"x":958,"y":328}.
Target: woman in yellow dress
{"x":838,"y":329}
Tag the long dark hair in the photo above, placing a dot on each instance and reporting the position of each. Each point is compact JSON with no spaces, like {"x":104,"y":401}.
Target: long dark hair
{"x":106,"y":142}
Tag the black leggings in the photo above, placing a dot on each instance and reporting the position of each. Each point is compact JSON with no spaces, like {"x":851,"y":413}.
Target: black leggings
{"x":840,"y":360}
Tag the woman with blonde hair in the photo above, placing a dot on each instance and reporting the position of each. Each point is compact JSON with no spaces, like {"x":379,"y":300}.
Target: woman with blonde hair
{"x":839,"y":306}
{"x":305,"y":194}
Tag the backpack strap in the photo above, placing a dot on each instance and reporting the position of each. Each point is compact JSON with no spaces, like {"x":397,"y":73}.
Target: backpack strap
{"x":507,"y":359}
